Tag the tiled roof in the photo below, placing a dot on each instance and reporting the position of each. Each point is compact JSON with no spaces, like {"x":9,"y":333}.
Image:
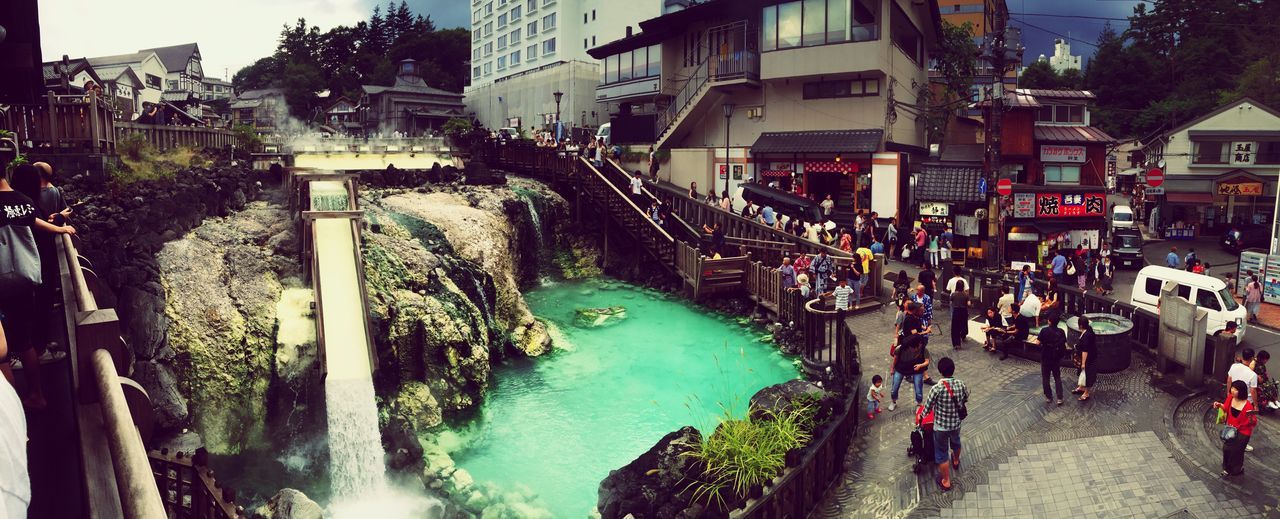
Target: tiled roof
{"x":175,"y":57}
{"x":1014,"y":100}
{"x":949,"y":183}
{"x":1057,"y":94}
{"x":1071,"y":134}
{"x":829,"y":141}
{"x":120,"y":59}
{"x":409,"y":89}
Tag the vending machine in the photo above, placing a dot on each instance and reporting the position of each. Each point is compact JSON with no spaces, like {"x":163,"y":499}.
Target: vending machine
{"x":1253,"y":262}
{"x":1271,"y":285}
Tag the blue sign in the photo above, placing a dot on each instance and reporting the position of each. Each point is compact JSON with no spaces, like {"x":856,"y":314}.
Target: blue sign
{"x":982,"y":185}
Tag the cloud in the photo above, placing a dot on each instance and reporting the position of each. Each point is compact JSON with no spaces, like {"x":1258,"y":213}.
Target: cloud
{"x":231,"y":33}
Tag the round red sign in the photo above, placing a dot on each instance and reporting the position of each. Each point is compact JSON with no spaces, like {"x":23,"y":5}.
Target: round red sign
{"x":1155,"y":177}
{"x":1004,"y":187}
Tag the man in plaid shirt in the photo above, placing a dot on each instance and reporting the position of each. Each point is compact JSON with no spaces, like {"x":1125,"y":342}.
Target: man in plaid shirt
{"x":945,"y":400}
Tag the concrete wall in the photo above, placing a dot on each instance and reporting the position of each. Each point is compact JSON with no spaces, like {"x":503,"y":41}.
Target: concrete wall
{"x":530,"y":96}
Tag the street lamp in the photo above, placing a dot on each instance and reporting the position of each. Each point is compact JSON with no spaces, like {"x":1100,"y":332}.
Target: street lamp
{"x":558,"y":94}
{"x":728,"y":114}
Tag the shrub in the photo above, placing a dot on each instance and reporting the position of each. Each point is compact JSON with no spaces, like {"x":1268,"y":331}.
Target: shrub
{"x":133,"y":146}
{"x":247,"y":138}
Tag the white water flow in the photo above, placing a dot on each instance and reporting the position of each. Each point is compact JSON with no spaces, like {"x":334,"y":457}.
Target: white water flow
{"x":535,"y":219}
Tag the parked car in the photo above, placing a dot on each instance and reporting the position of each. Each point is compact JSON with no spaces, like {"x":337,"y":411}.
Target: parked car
{"x":1126,"y":248}
{"x":1122,"y":218}
{"x":605,"y":132}
{"x":1241,"y":237}
{"x":1207,"y":292}
{"x":508,"y":134}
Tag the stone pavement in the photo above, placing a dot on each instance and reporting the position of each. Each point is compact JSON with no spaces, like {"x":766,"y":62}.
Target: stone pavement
{"x":1010,"y":427}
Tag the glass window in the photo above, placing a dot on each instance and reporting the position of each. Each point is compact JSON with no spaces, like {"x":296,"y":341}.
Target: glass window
{"x":502,"y":42}
{"x":1062,"y":174}
{"x":488,"y":28}
{"x":769,"y":23}
{"x":531,"y":53}
{"x":549,"y":46}
{"x":488,"y":8}
{"x":488,"y":68}
{"x":604,"y":69}
{"x":614,"y":63}
{"x":1153,"y":286}
{"x":1228,"y":300}
{"x":815,"y":13}
{"x":1207,"y":299}
{"x":1077,"y":114}
{"x":549,"y":22}
{"x":502,"y":62}
{"x":837,"y":21}
{"x":905,"y":34}
{"x":789,"y":25}
{"x":531,"y":5}
{"x":1211,"y":152}
{"x":624,"y":70}
{"x":1062,"y":113}
{"x":531,"y":29}
{"x":502,"y":21}
{"x":515,"y":57}
{"x":655,"y":61}
{"x":1045,"y":113}
{"x":515,"y":36}
{"x":475,"y":72}
{"x":1268,"y":153}
{"x":515,"y":13}
{"x":866,"y":16}
{"x":488,"y":48}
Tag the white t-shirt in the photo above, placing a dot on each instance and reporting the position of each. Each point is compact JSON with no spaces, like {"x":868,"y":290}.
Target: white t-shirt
{"x":874,"y":393}
{"x":842,"y":297}
{"x":951,"y":283}
{"x":636,"y":184}
{"x":15,"y":487}
{"x":1030,"y":306}
{"x":1240,"y":371}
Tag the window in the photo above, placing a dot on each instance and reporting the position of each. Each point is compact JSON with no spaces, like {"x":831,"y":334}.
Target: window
{"x":1153,"y":287}
{"x":693,"y":49}
{"x":475,"y":35}
{"x":584,"y":18}
{"x":640,"y":63}
{"x":475,"y":16}
{"x":488,"y":29}
{"x":604,"y":69}
{"x":488,"y":9}
{"x":549,"y":22}
{"x":531,"y":52}
{"x":624,"y":66}
{"x":515,"y":58}
{"x":1211,"y":152}
{"x":1268,"y":153}
{"x":171,"y":84}
{"x":515,"y":37}
{"x":841,"y":88}
{"x":549,"y":46}
{"x":475,"y":53}
{"x":1228,"y":299}
{"x":488,"y":48}
{"x":502,"y":62}
{"x":502,"y":42}
{"x":837,"y":22}
{"x":769,"y":31}
{"x":531,"y":29}
{"x":789,"y":25}
{"x":655,"y":61}
{"x":584,"y":43}
{"x":905,"y":35}
{"x":1055,"y":174}
{"x":1060,"y":114}
{"x":488,"y":68}
{"x":593,"y":40}
{"x":1208,"y":300}
{"x":153,"y":81}
{"x":593,"y":14}
{"x":815,"y":27}
{"x":515,"y":13}
{"x":502,"y":21}
{"x":531,"y":5}
{"x":818,"y":22}
{"x":1184,"y":292}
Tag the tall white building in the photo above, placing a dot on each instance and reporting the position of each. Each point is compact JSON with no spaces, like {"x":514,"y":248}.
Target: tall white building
{"x":523,"y":51}
{"x":1062,"y":60}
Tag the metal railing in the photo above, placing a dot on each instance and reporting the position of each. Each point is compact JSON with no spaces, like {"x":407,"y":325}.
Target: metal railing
{"x":189,"y":489}
{"x":689,"y":91}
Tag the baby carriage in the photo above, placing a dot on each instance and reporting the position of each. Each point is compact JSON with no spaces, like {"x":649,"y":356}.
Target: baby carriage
{"x":922,"y":440}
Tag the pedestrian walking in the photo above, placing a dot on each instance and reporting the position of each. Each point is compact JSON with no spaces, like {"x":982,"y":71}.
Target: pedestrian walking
{"x":788,"y":274}
{"x":1253,"y":298}
{"x":1171,"y":260}
{"x":1240,"y":416}
{"x":948,"y":401}
{"x":911,"y":357}
{"x":1085,"y":359}
{"x":875,"y":394}
{"x":653,"y":164}
{"x":960,"y":302}
{"x":891,"y":236}
{"x":1053,"y":342}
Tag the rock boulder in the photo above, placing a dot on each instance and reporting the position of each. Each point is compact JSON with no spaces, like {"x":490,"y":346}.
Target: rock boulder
{"x":650,"y":486}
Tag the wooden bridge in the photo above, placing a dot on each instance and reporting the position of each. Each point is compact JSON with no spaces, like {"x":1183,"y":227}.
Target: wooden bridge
{"x":87,"y":124}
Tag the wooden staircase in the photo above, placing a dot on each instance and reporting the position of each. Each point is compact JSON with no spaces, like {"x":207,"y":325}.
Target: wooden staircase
{"x":624,"y":211}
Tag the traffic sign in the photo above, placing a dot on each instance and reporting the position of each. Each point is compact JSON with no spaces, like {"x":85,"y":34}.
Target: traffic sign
{"x":982,"y":186}
{"x":1004,"y":187}
{"x":1153,"y":191}
{"x":1155,"y":177}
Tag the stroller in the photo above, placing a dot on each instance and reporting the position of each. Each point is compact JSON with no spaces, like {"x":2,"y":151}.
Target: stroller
{"x":922,"y":441}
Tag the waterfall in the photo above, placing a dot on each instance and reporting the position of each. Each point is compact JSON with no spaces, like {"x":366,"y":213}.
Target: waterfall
{"x":535,"y":219}
{"x":356,"y":466}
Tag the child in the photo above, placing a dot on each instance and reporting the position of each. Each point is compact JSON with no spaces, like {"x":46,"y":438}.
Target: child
{"x":874,"y":395}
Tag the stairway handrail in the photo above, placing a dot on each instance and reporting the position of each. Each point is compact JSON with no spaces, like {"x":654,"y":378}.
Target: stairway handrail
{"x":692,"y":85}
{"x":645,"y":188}
{"x":600,"y":176}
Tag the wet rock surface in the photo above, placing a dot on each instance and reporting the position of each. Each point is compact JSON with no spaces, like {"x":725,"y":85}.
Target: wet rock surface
{"x":650,"y":486}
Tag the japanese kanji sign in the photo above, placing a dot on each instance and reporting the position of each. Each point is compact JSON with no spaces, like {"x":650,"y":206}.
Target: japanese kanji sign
{"x":1242,"y":152}
{"x":1058,"y":205}
{"x":1024,"y":205}
{"x":1240,"y":188}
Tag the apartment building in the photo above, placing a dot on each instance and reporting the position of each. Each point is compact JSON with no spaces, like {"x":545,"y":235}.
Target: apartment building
{"x":524,"y":51}
{"x":815,"y":97}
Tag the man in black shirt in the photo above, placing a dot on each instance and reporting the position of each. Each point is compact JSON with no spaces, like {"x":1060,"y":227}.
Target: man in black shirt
{"x":1052,"y":343}
{"x":910,"y":359}
{"x":1015,"y":333}
{"x":929,"y":279}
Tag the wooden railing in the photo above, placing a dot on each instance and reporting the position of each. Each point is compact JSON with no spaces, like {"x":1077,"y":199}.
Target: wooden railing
{"x":521,"y":156}
{"x":189,"y":489}
{"x":168,"y":137}
{"x":828,"y":339}
{"x":626,"y":213}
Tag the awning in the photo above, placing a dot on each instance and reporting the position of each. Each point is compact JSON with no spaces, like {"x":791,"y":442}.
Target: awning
{"x":1129,"y":171}
{"x":1189,"y":198}
{"x":831,"y":167}
{"x":829,"y":141}
{"x":1086,"y":134}
{"x":776,"y":173}
{"x":949,"y":183}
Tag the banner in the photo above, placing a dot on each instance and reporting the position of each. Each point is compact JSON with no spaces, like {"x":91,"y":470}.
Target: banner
{"x":1059,"y":205}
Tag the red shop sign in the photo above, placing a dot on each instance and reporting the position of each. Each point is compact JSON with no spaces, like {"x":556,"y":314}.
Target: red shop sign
{"x":830,"y":167}
{"x":1058,"y":205}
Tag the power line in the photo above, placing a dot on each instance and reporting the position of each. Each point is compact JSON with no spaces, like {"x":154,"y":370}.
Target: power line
{"x":1130,"y":20}
{"x":1077,"y":16}
{"x":1056,"y":33}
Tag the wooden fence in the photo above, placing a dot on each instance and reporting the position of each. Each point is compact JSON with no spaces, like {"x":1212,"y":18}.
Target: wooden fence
{"x":189,"y":489}
{"x":87,"y":124}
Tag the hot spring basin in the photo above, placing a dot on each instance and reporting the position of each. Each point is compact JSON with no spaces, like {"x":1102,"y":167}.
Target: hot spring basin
{"x":1112,"y":332}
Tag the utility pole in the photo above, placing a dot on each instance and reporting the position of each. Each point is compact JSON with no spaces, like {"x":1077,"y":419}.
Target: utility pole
{"x":995,"y":216}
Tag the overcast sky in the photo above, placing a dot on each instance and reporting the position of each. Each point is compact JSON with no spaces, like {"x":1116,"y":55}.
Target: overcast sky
{"x":235,"y":33}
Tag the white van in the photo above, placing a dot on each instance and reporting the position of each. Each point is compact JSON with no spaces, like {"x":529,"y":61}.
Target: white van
{"x":1206,"y":292}
{"x":1122,"y":217}
{"x":603,"y":133}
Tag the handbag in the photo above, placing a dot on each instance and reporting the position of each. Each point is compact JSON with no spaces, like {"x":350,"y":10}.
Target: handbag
{"x":1228,"y":433}
{"x":1222,"y":417}
{"x":1071,"y":268}
{"x":963,"y":412}
{"x":19,"y":259}
{"x":1080,"y":381}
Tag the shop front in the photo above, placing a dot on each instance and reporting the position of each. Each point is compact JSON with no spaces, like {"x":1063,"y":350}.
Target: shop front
{"x":818,"y":164}
{"x":1042,"y":219}
{"x":950,"y":196}
{"x":1211,"y":205}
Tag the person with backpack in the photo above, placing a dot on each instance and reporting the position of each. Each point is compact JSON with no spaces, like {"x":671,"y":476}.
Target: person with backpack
{"x":911,"y":357}
{"x":1190,"y":259}
{"x":949,"y":403}
{"x":1053,"y":342}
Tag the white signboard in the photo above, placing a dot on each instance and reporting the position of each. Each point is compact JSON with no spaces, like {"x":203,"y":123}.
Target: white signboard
{"x":1154,"y":190}
{"x":1024,"y":205}
{"x":1060,"y":153}
{"x":1242,"y":153}
{"x":934,"y":209}
{"x":966,"y":225}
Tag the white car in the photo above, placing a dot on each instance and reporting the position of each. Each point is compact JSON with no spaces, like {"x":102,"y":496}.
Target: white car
{"x":1122,"y":218}
{"x":1208,"y":293}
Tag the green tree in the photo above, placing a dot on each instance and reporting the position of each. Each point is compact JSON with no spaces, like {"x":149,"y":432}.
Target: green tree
{"x":261,"y":74}
{"x":301,"y":82}
{"x":956,"y":60}
{"x":1071,"y":79}
{"x":1039,"y":75}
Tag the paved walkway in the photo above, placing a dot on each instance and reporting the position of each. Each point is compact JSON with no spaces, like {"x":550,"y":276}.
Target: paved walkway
{"x":1023,"y":458}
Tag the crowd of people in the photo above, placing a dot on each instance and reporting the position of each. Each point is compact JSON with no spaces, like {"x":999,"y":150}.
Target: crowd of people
{"x":32,"y":213}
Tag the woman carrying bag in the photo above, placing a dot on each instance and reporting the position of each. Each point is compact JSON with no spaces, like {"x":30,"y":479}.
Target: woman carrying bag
{"x":1241,"y":417}
{"x":1085,"y":358}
